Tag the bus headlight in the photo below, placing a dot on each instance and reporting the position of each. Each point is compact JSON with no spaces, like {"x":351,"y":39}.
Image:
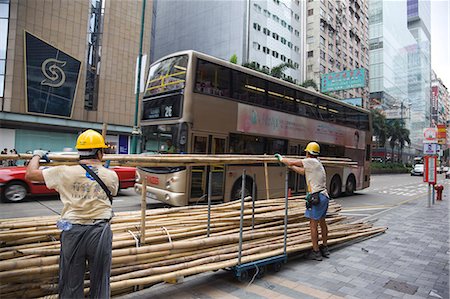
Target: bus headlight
{"x":138,"y":177}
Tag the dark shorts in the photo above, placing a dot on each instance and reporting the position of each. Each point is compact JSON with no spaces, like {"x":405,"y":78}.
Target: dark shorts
{"x":319,"y":211}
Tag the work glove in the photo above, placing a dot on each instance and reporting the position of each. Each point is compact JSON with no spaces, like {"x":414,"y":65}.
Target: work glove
{"x":279,"y":157}
{"x":42,"y":154}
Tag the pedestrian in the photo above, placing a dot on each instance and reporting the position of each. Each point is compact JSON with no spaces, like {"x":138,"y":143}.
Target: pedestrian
{"x":86,"y":191}
{"x":4,"y":152}
{"x":13,"y":162}
{"x":316,"y":179}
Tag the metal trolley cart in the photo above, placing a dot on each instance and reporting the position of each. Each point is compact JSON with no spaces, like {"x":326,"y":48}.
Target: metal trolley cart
{"x":241,"y":271}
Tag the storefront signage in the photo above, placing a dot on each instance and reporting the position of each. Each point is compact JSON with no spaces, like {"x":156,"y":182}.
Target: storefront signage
{"x":343,"y":80}
{"x":442,"y":133}
{"x":51,"y":78}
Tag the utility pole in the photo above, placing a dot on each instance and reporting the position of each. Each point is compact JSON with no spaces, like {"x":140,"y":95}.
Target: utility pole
{"x":136,"y":131}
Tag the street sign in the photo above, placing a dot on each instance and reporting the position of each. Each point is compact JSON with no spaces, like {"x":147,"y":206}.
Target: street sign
{"x":430,"y":149}
{"x":429,"y":135}
{"x":429,"y":174}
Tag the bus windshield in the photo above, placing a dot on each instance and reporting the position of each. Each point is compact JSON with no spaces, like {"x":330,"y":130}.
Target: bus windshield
{"x":164,"y":139}
{"x":167,"y":75}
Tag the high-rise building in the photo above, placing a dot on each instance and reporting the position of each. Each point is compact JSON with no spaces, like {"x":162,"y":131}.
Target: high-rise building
{"x":419,"y":68}
{"x":399,"y":43}
{"x":337,"y":40}
{"x":68,"y":65}
{"x":268,"y":33}
{"x":439,"y":100}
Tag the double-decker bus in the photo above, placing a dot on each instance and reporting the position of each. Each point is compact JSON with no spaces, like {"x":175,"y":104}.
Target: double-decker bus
{"x":195,"y":103}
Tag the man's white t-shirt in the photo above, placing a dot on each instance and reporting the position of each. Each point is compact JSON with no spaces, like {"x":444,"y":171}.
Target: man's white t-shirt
{"x":83,"y":198}
{"x":316,"y":178}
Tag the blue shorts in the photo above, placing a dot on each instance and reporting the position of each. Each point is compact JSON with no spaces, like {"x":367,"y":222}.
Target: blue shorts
{"x":319,"y":211}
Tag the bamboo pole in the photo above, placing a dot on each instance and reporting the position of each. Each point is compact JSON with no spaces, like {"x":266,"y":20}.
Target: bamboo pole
{"x":266,"y":179}
{"x":143,"y":209}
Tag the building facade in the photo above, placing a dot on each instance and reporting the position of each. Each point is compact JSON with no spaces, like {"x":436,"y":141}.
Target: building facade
{"x":419,"y":69}
{"x":268,"y":33}
{"x":439,"y":100}
{"x":337,"y":41}
{"x":68,"y":65}
{"x":400,"y":64}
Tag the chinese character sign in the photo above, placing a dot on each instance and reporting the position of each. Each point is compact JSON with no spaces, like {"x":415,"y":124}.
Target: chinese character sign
{"x":343,"y":80}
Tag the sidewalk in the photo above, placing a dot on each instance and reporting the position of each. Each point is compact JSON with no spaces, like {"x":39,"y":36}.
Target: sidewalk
{"x":410,"y":260}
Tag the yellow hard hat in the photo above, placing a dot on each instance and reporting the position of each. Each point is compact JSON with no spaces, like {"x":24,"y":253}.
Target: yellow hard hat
{"x":90,"y":139}
{"x":313,"y":148}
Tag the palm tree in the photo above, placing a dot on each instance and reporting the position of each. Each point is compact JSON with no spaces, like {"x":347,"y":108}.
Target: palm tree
{"x":278,"y":70}
{"x":380,"y":129}
{"x":403,"y":139}
{"x":310,"y":83}
{"x":398,"y":134}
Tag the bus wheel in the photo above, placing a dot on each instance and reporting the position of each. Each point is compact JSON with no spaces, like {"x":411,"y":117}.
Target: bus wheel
{"x":335,"y":186}
{"x":350,"y":186}
{"x":236,"y":192}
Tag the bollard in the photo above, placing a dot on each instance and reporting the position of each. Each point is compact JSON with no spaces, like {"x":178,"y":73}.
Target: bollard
{"x":439,"y":189}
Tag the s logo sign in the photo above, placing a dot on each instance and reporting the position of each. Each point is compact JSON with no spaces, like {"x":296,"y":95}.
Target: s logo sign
{"x":54,"y":74}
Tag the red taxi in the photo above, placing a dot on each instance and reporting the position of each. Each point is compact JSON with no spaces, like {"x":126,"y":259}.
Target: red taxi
{"x":14,"y":187}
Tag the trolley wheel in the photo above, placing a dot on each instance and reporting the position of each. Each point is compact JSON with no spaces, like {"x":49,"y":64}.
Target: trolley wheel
{"x":276,"y":267}
{"x":261,"y":272}
{"x":243,"y":277}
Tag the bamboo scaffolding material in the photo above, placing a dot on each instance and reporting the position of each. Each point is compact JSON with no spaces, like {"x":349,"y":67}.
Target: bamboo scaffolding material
{"x":27,"y":267}
{"x":180,"y":159}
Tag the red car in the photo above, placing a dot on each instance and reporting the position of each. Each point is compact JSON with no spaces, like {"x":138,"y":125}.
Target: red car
{"x":14,"y":187}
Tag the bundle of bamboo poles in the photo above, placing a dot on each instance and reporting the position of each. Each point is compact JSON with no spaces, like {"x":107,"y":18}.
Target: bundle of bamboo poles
{"x":180,"y":159}
{"x":176,"y":243}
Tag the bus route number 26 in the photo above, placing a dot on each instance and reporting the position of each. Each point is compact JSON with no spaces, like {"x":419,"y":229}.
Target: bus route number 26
{"x":168,"y":111}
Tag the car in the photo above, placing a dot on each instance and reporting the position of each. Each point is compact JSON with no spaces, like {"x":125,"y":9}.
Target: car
{"x":15,"y":188}
{"x":417,"y":170}
{"x":447,"y":174}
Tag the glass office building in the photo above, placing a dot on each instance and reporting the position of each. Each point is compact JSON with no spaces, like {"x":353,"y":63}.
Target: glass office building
{"x":400,"y":64}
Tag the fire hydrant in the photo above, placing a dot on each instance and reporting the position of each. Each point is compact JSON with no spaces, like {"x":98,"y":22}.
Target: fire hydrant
{"x":439,"y":189}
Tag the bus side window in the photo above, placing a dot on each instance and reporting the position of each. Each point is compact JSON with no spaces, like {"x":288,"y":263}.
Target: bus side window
{"x":200,"y":143}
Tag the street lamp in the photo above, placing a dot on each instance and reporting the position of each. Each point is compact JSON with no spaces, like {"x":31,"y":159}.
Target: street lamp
{"x":136,"y":130}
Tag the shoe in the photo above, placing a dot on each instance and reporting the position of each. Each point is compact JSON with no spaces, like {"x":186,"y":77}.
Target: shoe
{"x":324,"y":251}
{"x":315,"y":255}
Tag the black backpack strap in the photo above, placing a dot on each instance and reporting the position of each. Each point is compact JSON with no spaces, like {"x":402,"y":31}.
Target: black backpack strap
{"x":99,"y":181}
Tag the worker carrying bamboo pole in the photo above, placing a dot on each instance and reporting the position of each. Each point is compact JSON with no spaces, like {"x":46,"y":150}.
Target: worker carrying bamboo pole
{"x":86,"y":191}
{"x":317,"y":197}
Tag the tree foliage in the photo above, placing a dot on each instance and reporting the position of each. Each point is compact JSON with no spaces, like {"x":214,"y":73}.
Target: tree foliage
{"x":233,"y":59}
{"x":278,"y":70}
{"x":310,"y":83}
{"x":393,"y":131}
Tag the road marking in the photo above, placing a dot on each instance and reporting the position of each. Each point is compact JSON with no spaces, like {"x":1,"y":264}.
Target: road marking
{"x":353,"y":214}
{"x":118,"y":200}
{"x":367,"y":208}
{"x":395,"y":206}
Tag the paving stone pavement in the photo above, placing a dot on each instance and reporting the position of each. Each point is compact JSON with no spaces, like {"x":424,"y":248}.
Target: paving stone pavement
{"x":410,"y":260}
